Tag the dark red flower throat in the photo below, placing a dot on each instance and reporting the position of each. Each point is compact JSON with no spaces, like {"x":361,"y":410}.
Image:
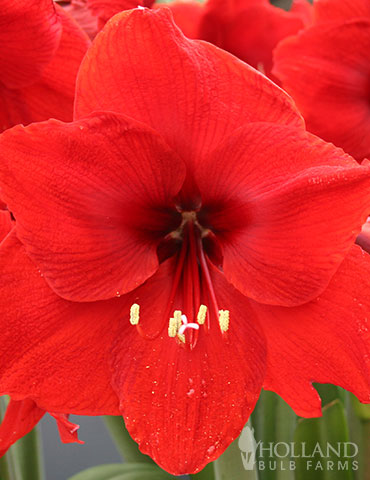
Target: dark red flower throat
{"x":192,"y":304}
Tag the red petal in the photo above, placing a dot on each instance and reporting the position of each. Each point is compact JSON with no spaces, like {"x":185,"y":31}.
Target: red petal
{"x":280,"y":215}
{"x":92,"y":235}
{"x":5,"y":224}
{"x":67,"y":430}
{"x":187,"y":14}
{"x":52,"y":94}
{"x":53,"y":351}
{"x":252,"y":32}
{"x":86,"y":20}
{"x":105,"y":9}
{"x":332,"y":10}
{"x":325,"y":341}
{"x":335,"y":103}
{"x":192,"y":93}
{"x":30,"y":32}
{"x":304,"y":9}
{"x":170,"y":396}
{"x":20,"y":418}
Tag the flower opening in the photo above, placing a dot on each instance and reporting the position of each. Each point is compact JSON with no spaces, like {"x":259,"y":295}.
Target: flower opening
{"x":193,"y":279}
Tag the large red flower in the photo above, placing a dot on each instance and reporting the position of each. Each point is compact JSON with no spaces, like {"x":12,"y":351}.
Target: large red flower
{"x":326,"y":69}
{"x":41,"y":51}
{"x":180,"y":244}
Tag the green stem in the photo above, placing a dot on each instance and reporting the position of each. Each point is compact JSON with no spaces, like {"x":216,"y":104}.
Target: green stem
{"x":359,"y":425}
{"x":9,"y":467}
{"x":29,"y":456}
{"x":229,"y":466}
{"x":208,"y":473}
{"x":273,"y":421}
{"x":365,"y":444}
{"x":126,"y":447}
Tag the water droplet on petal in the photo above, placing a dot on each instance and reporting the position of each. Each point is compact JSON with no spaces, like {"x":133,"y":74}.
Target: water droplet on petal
{"x":190,"y":392}
{"x":211,"y":450}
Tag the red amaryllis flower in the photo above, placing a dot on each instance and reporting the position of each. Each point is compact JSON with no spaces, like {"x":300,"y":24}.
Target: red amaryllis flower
{"x":78,"y":9}
{"x":41,"y":50}
{"x":159,"y":267}
{"x":326,"y":69}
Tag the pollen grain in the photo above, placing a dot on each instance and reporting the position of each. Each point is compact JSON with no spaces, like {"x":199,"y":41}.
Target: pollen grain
{"x":134,"y":314}
{"x":172,"y":328}
{"x":224,"y":320}
{"x":202,"y":313}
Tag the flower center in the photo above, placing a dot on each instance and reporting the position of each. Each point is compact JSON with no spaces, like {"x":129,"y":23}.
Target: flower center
{"x":192,"y":282}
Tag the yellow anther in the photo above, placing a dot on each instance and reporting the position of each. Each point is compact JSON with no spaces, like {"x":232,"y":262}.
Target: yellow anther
{"x":134,"y":314}
{"x":181,"y":337}
{"x":177,"y":316}
{"x":224,"y":320}
{"x":201,"y":317}
{"x":172,"y":328}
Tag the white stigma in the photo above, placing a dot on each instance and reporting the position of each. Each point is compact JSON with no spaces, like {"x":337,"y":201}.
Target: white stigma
{"x":186,"y":324}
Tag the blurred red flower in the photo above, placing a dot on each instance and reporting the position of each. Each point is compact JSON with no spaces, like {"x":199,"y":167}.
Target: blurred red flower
{"x":180,"y":244}
{"x":326,"y":69}
{"x":41,"y":51}
{"x":249,"y":29}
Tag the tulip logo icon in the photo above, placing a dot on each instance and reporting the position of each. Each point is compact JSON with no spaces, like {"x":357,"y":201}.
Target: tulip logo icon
{"x":248,"y":446}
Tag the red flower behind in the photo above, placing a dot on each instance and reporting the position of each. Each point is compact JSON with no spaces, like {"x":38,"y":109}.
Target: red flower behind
{"x":41,"y":52}
{"x":161,"y":264}
{"x":326,"y":69}
{"x":249,"y":29}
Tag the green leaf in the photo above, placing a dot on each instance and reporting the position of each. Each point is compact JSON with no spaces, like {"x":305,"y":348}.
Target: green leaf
{"x":328,"y":393}
{"x":148,"y":476}
{"x":117,"y":470}
{"x":127,"y":447}
{"x":362,"y":411}
{"x":322,"y":446}
{"x":274,"y":422}
{"x":207,"y":473}
{"x":360,"y":434}
{"x":23,"y":460}
{"x":29,"y":456}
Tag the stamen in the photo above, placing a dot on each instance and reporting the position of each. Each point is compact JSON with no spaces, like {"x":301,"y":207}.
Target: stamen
{"x":134,"y":314}
{"x":181,"y":337}
{"x":172,"y":328}
{"x":177,"y":315}
{"x":207,"y":276}
{"x":224,"y":320}
{"x":202,"y":313}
